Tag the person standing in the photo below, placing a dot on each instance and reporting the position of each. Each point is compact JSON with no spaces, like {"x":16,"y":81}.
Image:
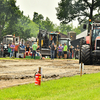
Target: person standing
{"x":65,"y":51}
{"x":1,"y":49}
{"x":16,"y":50}
{"x":12,"y":49}
{"x":52,"y":47}
{"x":22,"y":45}
{"x":34,"y":48}
{"x":9,"y":49}
{"x":60,"y":49}
{"x":71,"y":50}
{"x":76,"y":52}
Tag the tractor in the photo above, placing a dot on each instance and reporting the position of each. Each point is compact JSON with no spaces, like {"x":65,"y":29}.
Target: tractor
{"x":90,"y":46}
{"x":46,"y":39}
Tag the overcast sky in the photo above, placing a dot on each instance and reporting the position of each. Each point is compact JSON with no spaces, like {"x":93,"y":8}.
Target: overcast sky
{"x":44,"y":7}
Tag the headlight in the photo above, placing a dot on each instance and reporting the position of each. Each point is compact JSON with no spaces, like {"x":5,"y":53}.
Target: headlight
{"x":98,"y":47}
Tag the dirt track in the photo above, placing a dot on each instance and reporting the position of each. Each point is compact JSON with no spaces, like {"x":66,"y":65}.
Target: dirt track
{"x":19,"y":71}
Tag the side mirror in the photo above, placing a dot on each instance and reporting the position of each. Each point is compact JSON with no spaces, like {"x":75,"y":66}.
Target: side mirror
{"x":84,"y":26}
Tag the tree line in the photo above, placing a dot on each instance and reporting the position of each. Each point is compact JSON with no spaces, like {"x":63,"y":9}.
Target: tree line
{"x":12,"y":20}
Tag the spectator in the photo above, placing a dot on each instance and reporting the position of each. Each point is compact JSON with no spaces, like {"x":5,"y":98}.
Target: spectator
{"x":27,"y":50}
{"x":76,"y":52}
{"x":9,"y":49}
{"x":1,"y":49}
{"x":12,"y":49}
{"x":71,"y":50}
{"x":34,"y":47}
{"x":55,"y":55}
{"x":77,"y":48}
{"x":22,"y":45}
{"x":16,"y":49}
{"x":65,"y":51}
{"x":52,"y":47}
{"x":38,"y":52}
{"x":60,"y":48}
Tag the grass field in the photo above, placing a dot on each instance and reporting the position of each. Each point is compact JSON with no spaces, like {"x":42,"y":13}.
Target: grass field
{"x":86,"y":87}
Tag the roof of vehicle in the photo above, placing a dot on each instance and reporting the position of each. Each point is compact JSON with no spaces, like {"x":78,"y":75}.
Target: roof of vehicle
{"x":65,"y":39}
{"x":54,"y":33}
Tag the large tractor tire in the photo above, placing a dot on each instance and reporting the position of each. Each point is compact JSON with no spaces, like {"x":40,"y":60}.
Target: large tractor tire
{"x":86,"y":54}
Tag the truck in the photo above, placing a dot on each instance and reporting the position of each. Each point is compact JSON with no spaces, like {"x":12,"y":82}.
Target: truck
{"x":46,"y":39}
{"x":8,"y":39}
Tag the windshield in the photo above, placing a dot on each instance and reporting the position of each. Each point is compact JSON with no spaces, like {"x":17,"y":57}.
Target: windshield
{"x":96,"y":32}
{"x":63,"y":41}
{"x":9,"y":40}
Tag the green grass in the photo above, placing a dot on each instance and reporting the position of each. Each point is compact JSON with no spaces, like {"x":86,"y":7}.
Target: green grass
{"x":86,"y":87}
{"x":7,"y":58}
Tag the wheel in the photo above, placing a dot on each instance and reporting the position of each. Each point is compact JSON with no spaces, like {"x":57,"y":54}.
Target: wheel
{"x":86,"y":54}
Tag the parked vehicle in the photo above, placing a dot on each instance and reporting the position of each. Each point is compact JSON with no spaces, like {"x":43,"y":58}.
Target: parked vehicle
{"x":8,"y":39}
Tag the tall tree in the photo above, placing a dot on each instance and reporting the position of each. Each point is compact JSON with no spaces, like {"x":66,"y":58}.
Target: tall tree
{"x":65,"y":28}
{"x":38,"y":18}
{"x":69,"y":10}
{"x":15,"y":14}
{"x":9,"y":13}
{"x":48,"y":25}
{"x":4,"y":13}
{"x":43,"y":24}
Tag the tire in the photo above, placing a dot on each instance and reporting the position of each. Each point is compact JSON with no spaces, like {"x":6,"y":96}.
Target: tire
{"x":86,"y":54}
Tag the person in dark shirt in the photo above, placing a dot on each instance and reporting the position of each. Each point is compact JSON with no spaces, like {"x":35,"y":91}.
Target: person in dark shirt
{"x":71,"y":50}
{"x":27,"y":50}
{"x":38,"y":51}
{"x":52,"y":47}
{"x":77,"y":50}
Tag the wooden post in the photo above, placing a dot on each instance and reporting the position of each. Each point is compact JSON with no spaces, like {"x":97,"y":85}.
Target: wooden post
{"x":40,"y":73}
{"x":40,"y":70}
{"x":81,"y":70}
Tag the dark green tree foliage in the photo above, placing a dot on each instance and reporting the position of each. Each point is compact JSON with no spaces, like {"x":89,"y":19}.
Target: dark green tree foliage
{"x":43,"y":24}
{"x":65,"y":28}
{"x":14,"y":15}
{"x":3,"y":15}
{"x":48,"y":25}
{"x":22,"y":29}
{"x":69,"y":10}
{"x":38,"y":18}
{"x":12,"y":21}
{"x":9,"y":13}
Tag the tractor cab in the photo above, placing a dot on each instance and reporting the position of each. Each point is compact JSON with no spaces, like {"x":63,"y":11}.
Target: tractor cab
{"x":95,"y":36}
{"x":54,"y":37}
{"x":67,"y":41}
